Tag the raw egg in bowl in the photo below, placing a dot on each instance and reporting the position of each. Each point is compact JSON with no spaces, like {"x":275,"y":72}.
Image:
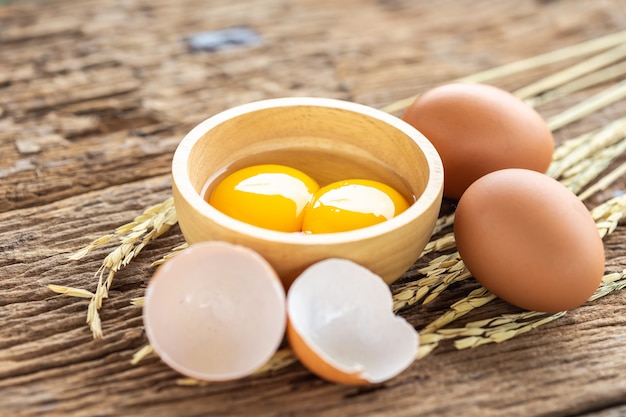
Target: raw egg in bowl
{"x":328,"y":141}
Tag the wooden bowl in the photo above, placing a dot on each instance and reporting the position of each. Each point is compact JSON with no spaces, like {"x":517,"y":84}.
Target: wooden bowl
{"x":330,"y":140}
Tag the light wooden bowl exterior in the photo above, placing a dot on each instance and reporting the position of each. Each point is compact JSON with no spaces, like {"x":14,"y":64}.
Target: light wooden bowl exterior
{"x":329,"y":140}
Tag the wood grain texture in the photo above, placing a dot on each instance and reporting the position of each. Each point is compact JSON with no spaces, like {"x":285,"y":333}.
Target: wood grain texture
{"x":94,"y":98}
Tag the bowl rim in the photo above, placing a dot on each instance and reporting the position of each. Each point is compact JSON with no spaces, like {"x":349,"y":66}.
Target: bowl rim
{"x":182,"y":181}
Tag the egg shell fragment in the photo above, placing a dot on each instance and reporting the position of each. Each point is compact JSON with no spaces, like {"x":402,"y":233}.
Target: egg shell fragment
{"x":529,"y":240}
{"x":342,"y":327}
{"x":477,"y":129}
{"x":216,"y":311}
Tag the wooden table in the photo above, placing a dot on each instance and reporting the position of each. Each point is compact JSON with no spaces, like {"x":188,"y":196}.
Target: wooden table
{"x":94,"y":98}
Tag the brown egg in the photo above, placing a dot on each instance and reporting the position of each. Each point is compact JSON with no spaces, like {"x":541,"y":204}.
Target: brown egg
{"x":215,"y":312}
{"x":529,"y":240}
{"x":478,"y":129}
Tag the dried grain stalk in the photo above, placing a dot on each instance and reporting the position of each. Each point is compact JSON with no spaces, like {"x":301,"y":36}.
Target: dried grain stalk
{"x":133,"y":237}
{"x":605,"y":75}
{"x":584,"y":48}
{"x":138,"y":301}
{"x":608,"y":214}
{"x":141,"y":354}
{"x":71,"y":291}
{"x":592,"y":104}
{"x":578,"y":178}
{"x":174,"y":251}
{"x":507,"y":326}
{"x":575,"y":151}
{"x":604,"y":182}
{"x":573,"y":72}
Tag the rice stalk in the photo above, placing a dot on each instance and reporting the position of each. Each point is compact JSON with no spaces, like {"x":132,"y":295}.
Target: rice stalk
{"x":610,"y":282}
{"x":559,"y":55}
{"x":504,"y":332}
{"x":138,"y":301}
{"x":71,"y":291}
{"x":507,"y":326}
{"x":174,"y":251}
{"x":441,"y":244}
{"x":439,"y":273}
{"x":608,"y":214}
{"x":133,"y":237}
{"x":588,"y":106}
{"x":585,"y":173}
{"x":102,"y":240}
{"x":443,"y":222}
{"x":571,"y":73}
{"x":574,"y":151}
{"x":604,"y":182}
{"x":141,"y":354}
{"x":476,"y":298}
{"x":191,"y":382}
{"x":604,"y":75}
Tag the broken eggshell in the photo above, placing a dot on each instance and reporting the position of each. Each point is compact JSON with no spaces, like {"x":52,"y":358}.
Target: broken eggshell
{"x":342,"y":328}
{"x":214,"y":312}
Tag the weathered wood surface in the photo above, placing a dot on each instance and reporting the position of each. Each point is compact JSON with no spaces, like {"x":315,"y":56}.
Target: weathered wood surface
{"x":94,"y":97}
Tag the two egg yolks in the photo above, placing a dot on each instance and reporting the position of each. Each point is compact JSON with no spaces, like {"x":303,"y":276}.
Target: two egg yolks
{"x":285,"y":199}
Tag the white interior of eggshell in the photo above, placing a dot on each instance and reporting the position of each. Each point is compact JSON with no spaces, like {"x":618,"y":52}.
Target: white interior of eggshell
{"x":344,"y":314}
{"x":215,"y":311}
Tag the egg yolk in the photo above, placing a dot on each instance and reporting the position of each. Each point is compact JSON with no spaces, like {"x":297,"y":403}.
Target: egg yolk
{"x":352,"y":204}
{"x":269,"y":196}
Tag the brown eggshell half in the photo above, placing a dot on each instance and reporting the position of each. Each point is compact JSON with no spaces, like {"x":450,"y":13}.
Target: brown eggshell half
{"x":341,"y":325}
{"x":477,"y":129}
{"x":316,"y":362}
{"x":215,"y":311}
{"x":529,"y":240}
